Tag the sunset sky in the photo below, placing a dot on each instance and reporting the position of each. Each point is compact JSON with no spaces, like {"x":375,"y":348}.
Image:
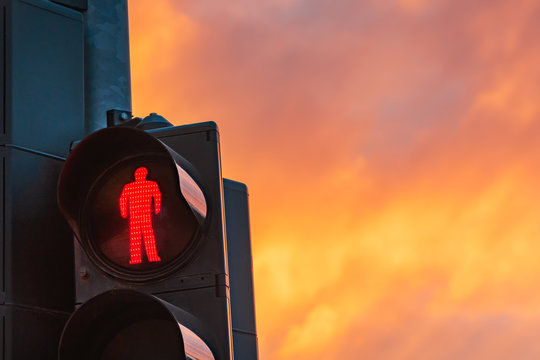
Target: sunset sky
{"x":392,"y":153}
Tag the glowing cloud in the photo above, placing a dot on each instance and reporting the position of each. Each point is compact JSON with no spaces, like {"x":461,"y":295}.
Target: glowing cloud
{"x":391,"y":151}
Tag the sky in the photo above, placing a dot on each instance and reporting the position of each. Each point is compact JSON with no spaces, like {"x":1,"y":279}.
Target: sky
{"x":390,"y":150}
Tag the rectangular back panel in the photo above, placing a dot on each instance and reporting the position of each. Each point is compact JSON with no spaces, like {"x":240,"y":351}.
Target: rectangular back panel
{"x":43,"y":84}
{"x":29,"y":334}
{"x":240,"y":270}
{"x":3,"y":15}
{"x":3,"y":226}
{"x":38,"y":248}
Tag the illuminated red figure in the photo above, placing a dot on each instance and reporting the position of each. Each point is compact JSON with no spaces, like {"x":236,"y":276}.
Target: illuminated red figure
{"x":138,"y":196}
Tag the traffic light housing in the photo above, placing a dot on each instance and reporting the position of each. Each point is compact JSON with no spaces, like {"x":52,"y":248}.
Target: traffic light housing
{"x":126,"y":324}
{"x":103,"y":201}
{"x":172,"y":245}
{"x":41,"y":111}
{"x":240,"y":270}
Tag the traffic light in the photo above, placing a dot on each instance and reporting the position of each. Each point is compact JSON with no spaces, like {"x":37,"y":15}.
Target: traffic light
{"x":240,"y":270}
{"x":41,"y":110}
{"x":147,"y":212}
{"x":127,"y":324}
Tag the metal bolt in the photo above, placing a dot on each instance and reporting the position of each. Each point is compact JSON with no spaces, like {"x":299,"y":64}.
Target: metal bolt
{"x":84,"y":274}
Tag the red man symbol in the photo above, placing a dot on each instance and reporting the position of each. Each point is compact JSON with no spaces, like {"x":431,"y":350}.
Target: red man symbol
{"x":138,"y":196}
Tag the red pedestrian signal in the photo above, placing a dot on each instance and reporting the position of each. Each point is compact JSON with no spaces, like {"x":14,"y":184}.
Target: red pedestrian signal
{"x":142,"y":212}
{"x":150,"y":254}
{"x":135,"y":203}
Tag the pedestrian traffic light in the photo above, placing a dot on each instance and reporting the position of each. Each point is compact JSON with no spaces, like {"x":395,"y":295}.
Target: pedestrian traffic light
{"x":146,"y":209}
{"x":41,"y":110}
{"x":121,"y":198}
{"x":126,"y":324}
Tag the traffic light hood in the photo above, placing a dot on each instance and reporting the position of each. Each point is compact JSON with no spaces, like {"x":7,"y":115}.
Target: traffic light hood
{"x":127,"y":324}
{"x":97,"y":154}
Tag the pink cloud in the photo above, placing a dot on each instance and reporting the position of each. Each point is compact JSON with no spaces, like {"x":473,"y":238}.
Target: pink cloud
{"x":383,"y":143}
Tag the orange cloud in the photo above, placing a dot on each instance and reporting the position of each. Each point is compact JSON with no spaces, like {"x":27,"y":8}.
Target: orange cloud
{"x":392,"y":158}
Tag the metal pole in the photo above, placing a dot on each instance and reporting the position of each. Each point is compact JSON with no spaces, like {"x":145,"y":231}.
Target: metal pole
{"x":107,"y":67}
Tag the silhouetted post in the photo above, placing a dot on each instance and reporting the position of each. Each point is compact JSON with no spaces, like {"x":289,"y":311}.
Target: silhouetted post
{"x":107,"y":70}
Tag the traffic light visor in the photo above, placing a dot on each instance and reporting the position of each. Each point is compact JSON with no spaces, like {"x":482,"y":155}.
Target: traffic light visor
{"x":132,"y":202}
{"x":129,"y":325}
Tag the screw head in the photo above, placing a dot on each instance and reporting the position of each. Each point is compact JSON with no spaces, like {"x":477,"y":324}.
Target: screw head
{"x":84,"y":274}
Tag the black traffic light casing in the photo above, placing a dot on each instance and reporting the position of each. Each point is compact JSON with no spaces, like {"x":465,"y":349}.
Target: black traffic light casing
{"x":43,"y":75}
{"x":41,"y":111}
{"x":194,"y":279}
{"x":240,"y":270}
{"x":125,"y":324}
